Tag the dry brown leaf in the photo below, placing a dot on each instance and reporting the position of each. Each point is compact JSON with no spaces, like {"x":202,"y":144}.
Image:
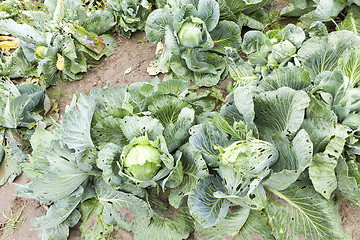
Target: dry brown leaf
{"x":8,"y":43}
{"x":60,"y":62}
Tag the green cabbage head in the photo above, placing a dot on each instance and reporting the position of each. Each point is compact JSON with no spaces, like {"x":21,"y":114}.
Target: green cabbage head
{"x":142,"y":161}
{"x":190,"y":35}
{"x":250,"y":157}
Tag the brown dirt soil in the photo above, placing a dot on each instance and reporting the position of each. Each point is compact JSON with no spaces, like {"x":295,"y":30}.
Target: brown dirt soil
{"x":137,"y":54}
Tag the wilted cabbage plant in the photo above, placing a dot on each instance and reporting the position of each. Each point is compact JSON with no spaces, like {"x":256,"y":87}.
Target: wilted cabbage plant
{"x":194,"y":40}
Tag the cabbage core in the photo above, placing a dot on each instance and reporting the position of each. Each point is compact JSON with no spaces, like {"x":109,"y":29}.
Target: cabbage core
{"x":142,"y":162}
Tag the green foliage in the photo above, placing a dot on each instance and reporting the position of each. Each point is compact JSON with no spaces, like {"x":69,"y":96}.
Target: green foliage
{"x":68,"y":41}
{"x":130,"y":15}
{"x":77,"y":168}
{"x":269,"y":163}
{"x":19,"y":107}
{"x":194,"y":42}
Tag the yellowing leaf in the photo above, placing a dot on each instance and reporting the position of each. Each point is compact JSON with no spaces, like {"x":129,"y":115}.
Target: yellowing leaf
{"x":7,"y":43}
{"x":60,"y":62}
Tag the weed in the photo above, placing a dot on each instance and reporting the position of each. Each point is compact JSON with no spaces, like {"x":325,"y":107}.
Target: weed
{"x":12,"y":222}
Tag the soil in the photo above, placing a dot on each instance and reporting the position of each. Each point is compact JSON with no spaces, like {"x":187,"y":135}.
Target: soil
{"x":137,"y":54}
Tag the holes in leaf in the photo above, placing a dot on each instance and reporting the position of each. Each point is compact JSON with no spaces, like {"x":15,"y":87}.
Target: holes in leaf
{"x":252,"y":196}
{"x":303,"y":187}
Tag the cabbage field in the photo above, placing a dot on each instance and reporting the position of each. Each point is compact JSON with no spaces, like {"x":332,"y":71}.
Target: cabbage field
{"x":180,"y":119}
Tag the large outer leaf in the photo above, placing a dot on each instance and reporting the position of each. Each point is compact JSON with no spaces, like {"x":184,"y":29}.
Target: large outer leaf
{"x":322,"y":168}
{"x":296,"y":78}
{"x":347,"y":184}
{"x":10,"y":166}
{"x":169,"y":228}
{"x":238,"y":6}
{"x":352,"y":20}
{"x":255,"y":226}
{"x":226,"y":34}
{"x":24,"y":32}
{"x":108,"y":130}
{"x":241,"y":189}
{"x":201,"y":62}
{"x":156,"y":24}
{"x":325,"y":11}
{"x":256,"y":20}
{"x":227,"y":228}
{"x":204,"y":207}
{"x":229,"y":111}
{"x":62,"y":177}
{"x":36,"y":94}
{"x":88,"y":39}
{"x":349,"y":63}
{"x":109,"y":47}
{"x":135,"y":126}
{"x":14,"y":110}
{"x":100,"y":22}
{"x":178,"y":133}
{"x":92,"y":223}
{"x":76,"y":123}
{"x":253,"y":40}
{"x":237,"y":132}
{"x":40,"y":141}
{"x":204,"y":138}
{"x":176,"y":116}
{"x":107,"y":161}
{"x":209,"y":12}
{"x":282,"y":110}
{"x":297,"y":8}
{"x":16,"y":65}
{"x":113,"y":201}
{"x":40,"y":19}
{"x":308,"y":214}
{"x":319,"y":124}
{"x":294,"y":34}
{"x":194,"y":169}
{"x":294,"y":157}
{"x":19,"y":103}
{"x":322,"y":54}
{"x":207,"y":68}
{"x":60,"y":216}
{"x":240,"y":71}
{"x":243,"y":99}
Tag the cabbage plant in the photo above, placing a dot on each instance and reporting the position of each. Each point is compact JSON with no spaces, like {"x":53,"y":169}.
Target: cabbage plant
{"x":274,"y":49}
{"x":60,"y":44}
{"x":130,"y":15}
{"x":262,"y":140}
{"x":118,"y":148}
{"x":20,"y":106}
{"x":245,"y":13}
{"x":291,"y":135}
{"x":194,"y":40}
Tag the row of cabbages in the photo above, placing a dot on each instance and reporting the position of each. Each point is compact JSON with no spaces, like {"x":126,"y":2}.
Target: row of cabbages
{"x":269,"y":163}
{"x":61,"y":42}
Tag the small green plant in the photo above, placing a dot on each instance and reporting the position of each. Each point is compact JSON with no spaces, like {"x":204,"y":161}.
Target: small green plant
{"x":12,"y":222}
